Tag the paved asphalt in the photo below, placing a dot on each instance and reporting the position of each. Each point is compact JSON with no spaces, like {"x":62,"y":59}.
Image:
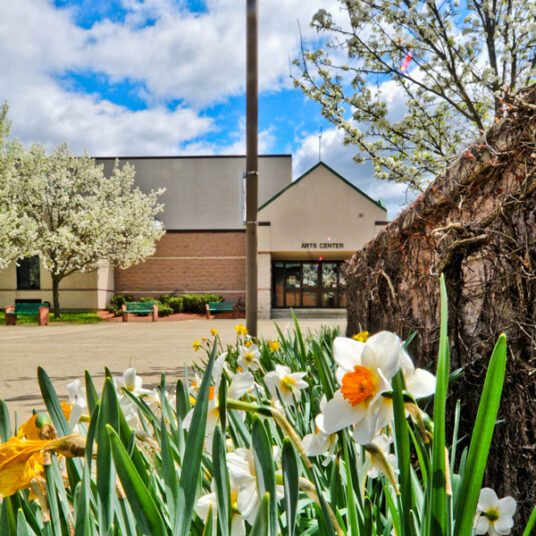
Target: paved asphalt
{"x":67,"y":350}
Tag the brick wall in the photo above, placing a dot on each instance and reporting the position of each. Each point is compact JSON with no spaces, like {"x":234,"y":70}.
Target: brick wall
{"x":198,"y":262}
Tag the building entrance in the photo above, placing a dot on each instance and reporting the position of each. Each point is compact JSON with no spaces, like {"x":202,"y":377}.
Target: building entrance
{"x":308,"y":284}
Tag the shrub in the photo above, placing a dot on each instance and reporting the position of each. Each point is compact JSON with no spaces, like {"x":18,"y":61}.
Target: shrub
{"x":195,"y":303}
{"x":116,"y":301}
{"x":175,"y":302}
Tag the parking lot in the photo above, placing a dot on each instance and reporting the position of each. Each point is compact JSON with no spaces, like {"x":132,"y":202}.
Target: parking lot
{"x":67,"y":350}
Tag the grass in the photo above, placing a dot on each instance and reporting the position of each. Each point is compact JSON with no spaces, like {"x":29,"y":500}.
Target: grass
{"x":70,"y":318}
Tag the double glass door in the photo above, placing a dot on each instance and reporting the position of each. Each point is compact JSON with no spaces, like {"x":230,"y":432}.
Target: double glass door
{"x":308,"y":284}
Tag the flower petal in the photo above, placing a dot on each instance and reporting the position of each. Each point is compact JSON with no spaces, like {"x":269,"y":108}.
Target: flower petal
{"x":386,"y":353}
{"x":241,"y":384}
{"x":339,"y":414}
{"x":347,"y":352}
{"x":482,"y":525}
{"x":421,"y":383}
{"x":487,"y":499}
{"x":366,"y":428}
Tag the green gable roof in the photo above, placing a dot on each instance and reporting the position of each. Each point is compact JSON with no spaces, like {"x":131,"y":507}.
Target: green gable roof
{"x":377,"y":203}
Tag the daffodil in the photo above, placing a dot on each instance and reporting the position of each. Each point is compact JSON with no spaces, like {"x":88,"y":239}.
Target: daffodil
{"x":419,"y":382}
{"x":214,"y":332}
{"x":77,"y":401}
{"x":287,"y":382}
{"x":241,"y":329}
{"x":382,"y":442}
{"x":364,"y":371}
{"x":249,"y":357}
{"x":206,"y":502}
{"x":274,"y":346}
{"x":320,"y":442}
{"x":495,"y":515}
{"x":362,"y":336}
{"x":130,"y":381}
{"x":196,"y":345}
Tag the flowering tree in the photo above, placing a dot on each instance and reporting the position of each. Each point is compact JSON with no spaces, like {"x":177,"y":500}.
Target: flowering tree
{"x":82,"y":218}
{"x":16,"y":230}
{"x":410,"y":83}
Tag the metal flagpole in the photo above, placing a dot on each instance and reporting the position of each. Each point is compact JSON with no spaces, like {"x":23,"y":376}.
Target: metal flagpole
{"x":252,"y":171}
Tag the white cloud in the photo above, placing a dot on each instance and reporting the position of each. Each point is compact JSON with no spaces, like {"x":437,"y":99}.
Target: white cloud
{"x":196,"y":59}
{"x":340,"y":157}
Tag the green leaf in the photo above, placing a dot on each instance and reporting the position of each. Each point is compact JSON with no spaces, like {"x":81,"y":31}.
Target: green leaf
{"x":531,"y":523}
{"x":481,"y":440}
{"x":261,"y":527}
{"x":221,"y":481}
{"x":171,"y":480}
{"x":182,"y":400}
{"x":91,"y":393}
{"x":194,"y":447}
{"x":350,"y":497}
{"x":438,"y":500}
{"x":52,"y":403}
{"x":264,"y":466}
{"x":143,"y":507}
{"x":108,"y":414}
{"x":5,"y":423}
{"x":402,"y":452}
{"x":291,"y":477}
{"x":23,"y":528}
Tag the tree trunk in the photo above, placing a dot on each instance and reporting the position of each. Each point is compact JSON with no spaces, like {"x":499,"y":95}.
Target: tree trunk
{"x":56,"y":295}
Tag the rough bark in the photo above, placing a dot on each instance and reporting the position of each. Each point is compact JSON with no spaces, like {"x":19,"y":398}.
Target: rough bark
{"x":56,"y":296}
{"x":476,"y":223}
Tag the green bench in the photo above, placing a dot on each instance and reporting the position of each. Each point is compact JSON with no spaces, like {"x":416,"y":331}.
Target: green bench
{"x":221,"y":307}
{"x":140,"y":308}
{"x":26,"y":309}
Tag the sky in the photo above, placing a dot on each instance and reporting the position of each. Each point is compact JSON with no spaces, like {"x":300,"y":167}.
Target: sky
{"x":167,"y":77}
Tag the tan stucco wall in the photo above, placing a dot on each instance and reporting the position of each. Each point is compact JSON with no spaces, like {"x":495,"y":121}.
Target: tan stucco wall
{"x":264,"y":285}
{"x":77,"y":291}
{"x":321,"y":211}
{"x":205,"y":192}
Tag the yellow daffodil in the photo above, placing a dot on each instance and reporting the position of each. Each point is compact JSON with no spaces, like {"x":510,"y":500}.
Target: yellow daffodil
{"x":362,"y":336}
{"x":274,"y":346}
{"x":241,"y":329}
{"x":196,"y":345}
{"x":214,"y":332}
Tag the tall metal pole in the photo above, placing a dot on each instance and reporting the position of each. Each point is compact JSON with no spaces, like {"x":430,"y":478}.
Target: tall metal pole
{"x":252,"y":171}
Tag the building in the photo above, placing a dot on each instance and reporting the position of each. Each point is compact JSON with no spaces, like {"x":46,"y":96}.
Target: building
{"x":307,"y":229}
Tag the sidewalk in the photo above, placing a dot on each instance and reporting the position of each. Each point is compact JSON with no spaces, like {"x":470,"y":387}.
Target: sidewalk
{"x":66,"y":351}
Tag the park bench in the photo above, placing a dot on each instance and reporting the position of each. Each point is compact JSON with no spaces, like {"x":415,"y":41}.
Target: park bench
{"x":140,"y":308}
{"x":26,"y":309}
{"x":221,"y":307}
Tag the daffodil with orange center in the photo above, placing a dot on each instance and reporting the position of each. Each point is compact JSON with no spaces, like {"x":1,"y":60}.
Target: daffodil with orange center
{"x":364,"y":371}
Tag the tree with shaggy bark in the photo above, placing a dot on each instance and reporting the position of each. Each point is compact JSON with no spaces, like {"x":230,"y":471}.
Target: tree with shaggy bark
{"x":411,"y":83}
{"x":83,"y":219}
{"x":17,"y":231}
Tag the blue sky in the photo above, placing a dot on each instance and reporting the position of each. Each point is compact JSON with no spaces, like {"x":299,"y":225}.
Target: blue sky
{"x":165,"y":77}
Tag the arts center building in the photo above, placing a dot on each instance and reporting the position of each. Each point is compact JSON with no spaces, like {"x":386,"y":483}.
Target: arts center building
{"x":307,"y":229}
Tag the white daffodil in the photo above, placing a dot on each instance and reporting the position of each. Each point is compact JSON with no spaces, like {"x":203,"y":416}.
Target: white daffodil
{"x":240,"y":384}
{"x":287,"y":382}
{"x":375,"y":468}
{"x":249,"y":357}
{"x":241,"y":466}
{"x":419,"y":382}
{"x":496,"y":515}
{"x":77,"y":400}
{"x":203,"y":505}
{"x":131,"y":382}
{"x":365,"y":370}
{"x":320,"y":442}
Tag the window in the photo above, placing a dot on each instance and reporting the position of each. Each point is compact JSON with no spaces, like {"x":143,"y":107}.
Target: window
{"x":308,"y":284}
{"x":28,"y":277}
